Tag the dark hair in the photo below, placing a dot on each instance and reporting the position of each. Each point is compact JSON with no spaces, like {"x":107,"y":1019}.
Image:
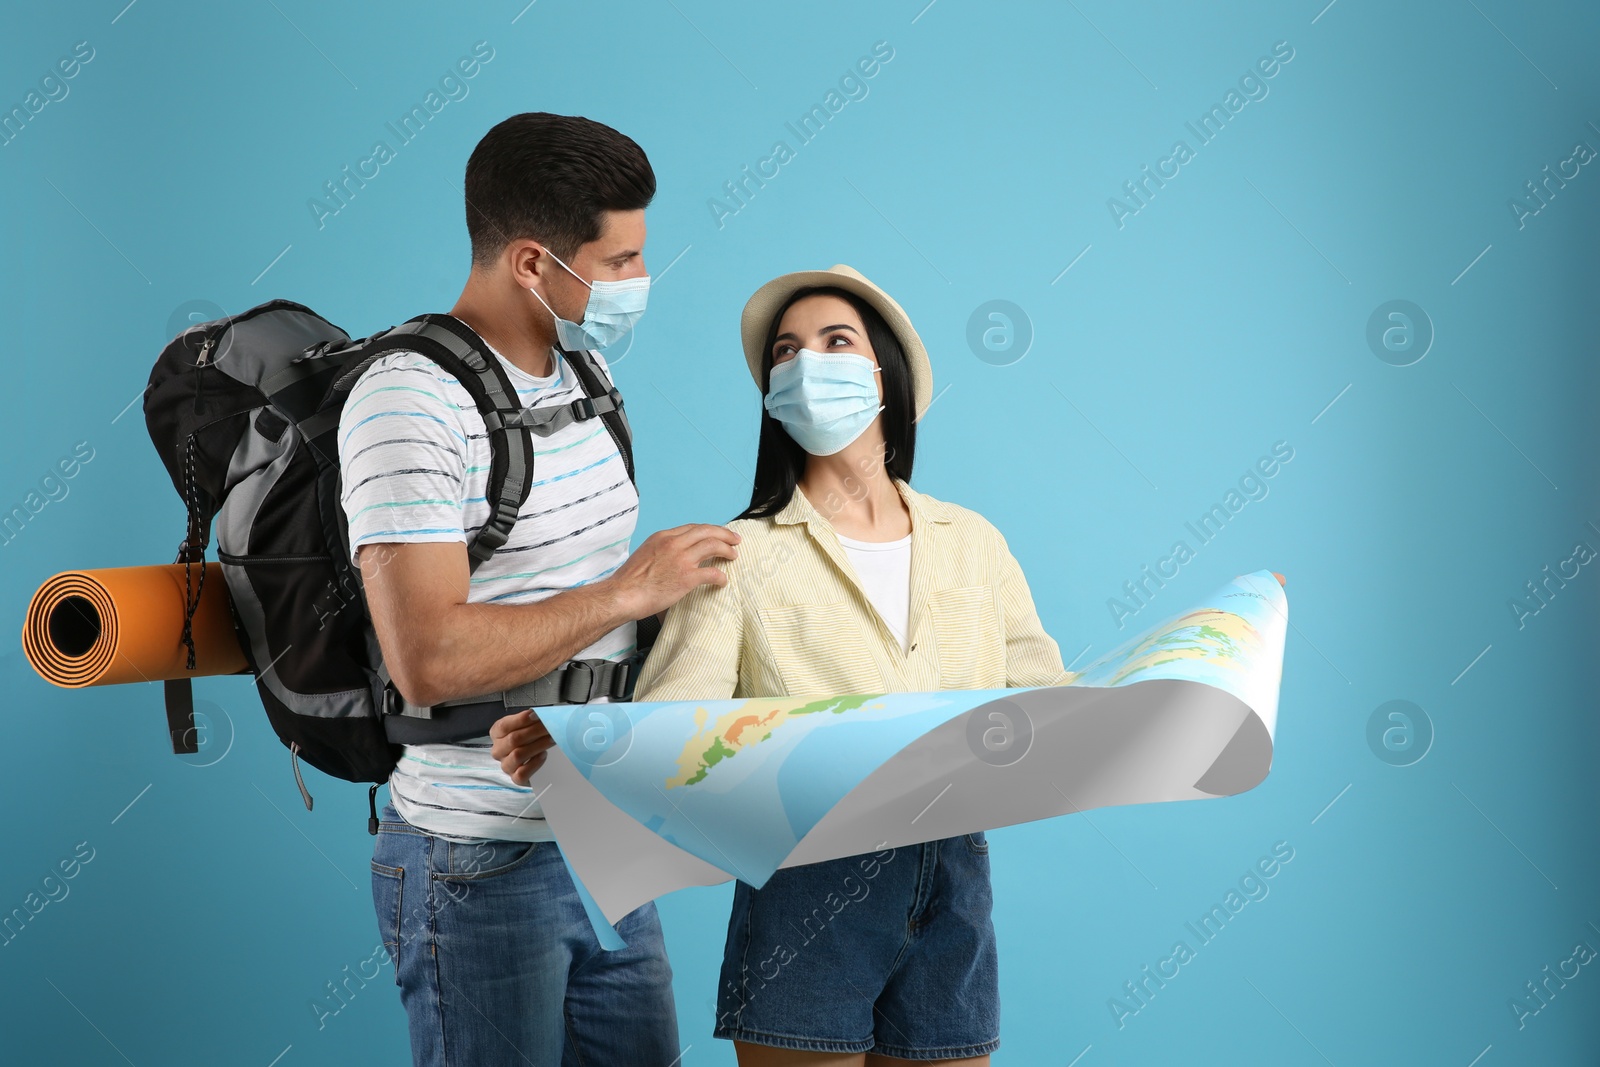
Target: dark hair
{"x":549,"y":178}
{"x":780,"y":461}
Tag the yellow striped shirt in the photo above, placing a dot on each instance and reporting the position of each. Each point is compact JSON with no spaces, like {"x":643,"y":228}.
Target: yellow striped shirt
{"x":793,"y":619}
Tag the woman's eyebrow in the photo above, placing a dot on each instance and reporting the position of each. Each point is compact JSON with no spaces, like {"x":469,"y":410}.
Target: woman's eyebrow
{"x":825,"y":329}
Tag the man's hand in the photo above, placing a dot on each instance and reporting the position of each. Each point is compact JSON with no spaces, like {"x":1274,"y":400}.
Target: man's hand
{"x":670,"y":563}
{"x":521,"y":744}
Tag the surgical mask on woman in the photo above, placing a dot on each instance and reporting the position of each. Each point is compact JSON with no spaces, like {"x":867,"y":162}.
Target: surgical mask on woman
{"x":613,"y":309}
{"x":824,"y":400}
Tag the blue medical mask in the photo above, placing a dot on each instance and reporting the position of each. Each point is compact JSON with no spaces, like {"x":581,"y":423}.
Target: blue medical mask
{"x":612,"y":310}
{"x":824,"y":400}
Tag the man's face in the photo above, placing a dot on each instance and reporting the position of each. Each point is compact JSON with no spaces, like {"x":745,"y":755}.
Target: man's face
{"x":617,"y":254}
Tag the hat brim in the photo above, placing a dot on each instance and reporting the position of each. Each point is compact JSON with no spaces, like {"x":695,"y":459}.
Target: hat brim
{"x":759,"y":310}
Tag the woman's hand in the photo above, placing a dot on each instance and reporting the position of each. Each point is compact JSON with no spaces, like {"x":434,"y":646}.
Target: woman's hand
{"x":521,"y":744}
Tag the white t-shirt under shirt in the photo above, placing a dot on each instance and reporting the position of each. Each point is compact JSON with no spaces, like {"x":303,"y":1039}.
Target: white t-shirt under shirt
{"x":416,"y":465}
{"x":884,"y":568}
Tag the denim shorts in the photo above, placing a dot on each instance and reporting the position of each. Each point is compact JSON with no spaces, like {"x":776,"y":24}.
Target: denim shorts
{"x":891,"y":952}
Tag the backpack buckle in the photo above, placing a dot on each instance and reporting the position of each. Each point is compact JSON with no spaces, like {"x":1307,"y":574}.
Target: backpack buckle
{"x":576,"y":679}
{"x":582,"y":408}
{"x":621,"y":687}
{"x":487,"y":543}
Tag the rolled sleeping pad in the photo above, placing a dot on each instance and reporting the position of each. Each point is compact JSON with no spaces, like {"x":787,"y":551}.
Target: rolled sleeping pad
{"x":125,"y":624}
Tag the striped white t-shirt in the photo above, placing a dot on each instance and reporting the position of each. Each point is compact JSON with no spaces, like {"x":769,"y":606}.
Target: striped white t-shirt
{"x":415,"y":460}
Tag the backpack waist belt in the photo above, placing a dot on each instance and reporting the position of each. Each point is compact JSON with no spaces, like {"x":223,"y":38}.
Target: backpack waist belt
{"x":577,"y":681}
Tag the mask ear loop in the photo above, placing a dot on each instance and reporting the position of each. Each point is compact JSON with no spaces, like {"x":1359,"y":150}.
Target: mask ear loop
{"x":547,"y":307}
{"x":568,"y":269}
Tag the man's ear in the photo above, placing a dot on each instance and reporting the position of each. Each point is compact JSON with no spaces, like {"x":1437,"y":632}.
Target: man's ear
{"x":526,"y":261}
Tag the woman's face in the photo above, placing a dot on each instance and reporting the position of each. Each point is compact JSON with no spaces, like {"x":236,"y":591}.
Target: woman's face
{"x":823,"y":323}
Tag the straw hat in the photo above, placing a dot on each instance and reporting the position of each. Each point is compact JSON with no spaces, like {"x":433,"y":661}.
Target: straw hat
{"x":760,"y":309}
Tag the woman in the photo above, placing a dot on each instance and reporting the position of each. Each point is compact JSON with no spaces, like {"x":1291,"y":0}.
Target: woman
{"x":849,"y":581}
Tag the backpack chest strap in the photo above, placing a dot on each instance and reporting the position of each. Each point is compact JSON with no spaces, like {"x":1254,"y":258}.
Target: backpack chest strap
{"x":541,"y":422}
{"x":547,"y":420}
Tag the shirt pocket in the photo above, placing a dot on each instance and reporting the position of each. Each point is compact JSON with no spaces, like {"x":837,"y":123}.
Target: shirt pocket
{"x":820,"y":650}
{"x":972,"y":651}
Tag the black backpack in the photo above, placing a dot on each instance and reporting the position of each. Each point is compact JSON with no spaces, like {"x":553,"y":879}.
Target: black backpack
{"x":244,"y":412}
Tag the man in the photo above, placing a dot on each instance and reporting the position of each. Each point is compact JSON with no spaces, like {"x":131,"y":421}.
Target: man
{"x":495,"y":959}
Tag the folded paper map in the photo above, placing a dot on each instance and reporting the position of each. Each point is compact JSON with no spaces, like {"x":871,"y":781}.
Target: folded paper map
{"x":645,"y":798}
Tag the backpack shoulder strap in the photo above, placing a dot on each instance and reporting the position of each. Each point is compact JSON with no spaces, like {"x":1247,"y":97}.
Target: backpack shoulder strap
{"x":462,"y":354}
{"x":596,"y":386}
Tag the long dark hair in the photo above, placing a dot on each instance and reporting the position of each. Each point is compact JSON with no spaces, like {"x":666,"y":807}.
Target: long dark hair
{"x":780,"y":461}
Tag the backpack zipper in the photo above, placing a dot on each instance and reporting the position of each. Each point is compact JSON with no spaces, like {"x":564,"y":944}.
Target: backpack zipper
{"x":253,"y":558}
{"x":245,"y":316}
{"x":294,"y":762}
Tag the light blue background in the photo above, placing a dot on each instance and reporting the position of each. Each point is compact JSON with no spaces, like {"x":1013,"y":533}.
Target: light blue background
{"x":1223,"y":317}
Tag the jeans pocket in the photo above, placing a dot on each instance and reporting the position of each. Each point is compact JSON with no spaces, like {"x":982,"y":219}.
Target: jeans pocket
{"x":474,"y":861}
{"x":387,"y":890}
{"x":978,"y":843}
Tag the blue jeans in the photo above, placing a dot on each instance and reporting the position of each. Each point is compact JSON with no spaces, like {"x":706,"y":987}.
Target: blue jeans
{"x":497,"y":963}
